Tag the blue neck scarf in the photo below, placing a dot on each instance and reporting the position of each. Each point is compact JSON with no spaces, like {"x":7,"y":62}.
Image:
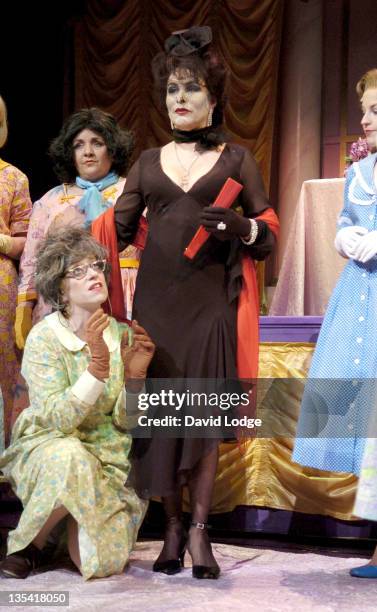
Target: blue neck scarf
{"x":92,"y":203}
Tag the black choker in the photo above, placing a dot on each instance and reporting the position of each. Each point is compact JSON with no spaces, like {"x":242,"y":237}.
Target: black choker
{"x":191,"y":135}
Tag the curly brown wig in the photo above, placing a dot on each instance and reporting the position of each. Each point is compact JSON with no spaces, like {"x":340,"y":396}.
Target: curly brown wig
{"x":60,"y":250}
{"x":119,"y":142}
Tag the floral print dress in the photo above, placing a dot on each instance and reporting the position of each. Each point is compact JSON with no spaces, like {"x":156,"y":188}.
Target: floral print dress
{"x":74,"y":453}
{"x":15,"y":210}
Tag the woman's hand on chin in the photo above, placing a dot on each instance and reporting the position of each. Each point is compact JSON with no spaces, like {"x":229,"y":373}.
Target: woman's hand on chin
{"x":136,"y":356}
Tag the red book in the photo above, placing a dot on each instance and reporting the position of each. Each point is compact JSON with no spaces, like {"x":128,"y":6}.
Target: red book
{"x":225,"y":199}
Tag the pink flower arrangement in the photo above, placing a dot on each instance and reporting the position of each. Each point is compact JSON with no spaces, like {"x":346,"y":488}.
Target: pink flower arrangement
{"x":358,"y":150}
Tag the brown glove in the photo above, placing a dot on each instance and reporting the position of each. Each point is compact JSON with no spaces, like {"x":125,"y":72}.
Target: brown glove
{"x":99,"y":365}
{"x":136,"y":355}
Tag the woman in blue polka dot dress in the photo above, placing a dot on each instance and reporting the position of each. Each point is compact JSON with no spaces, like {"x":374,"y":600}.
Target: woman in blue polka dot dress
{"x":339,"y":393}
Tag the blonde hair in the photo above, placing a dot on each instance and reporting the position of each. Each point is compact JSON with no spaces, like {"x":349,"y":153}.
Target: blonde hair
{"x":3,"y":123}
{"x":367,"y":81}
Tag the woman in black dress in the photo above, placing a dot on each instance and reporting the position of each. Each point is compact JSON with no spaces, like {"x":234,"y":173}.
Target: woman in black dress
{"x":186,"y":305}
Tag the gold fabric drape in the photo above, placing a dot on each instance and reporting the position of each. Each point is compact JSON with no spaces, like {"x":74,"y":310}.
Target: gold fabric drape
{"x":265,"y":475}
{"x":115,"y":42}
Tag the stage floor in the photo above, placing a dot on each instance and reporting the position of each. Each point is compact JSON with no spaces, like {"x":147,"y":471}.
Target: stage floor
{"x":267,"y":577}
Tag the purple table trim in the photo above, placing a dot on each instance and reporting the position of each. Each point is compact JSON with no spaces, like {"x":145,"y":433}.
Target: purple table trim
{"x":251,"y":519}
{"x":270,"y":521}
{"x":244,"y":519}
{"x":289,"y":329}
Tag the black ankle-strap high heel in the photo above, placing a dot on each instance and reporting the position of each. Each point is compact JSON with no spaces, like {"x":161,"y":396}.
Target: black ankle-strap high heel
{"x":173,"y":566}
{"x":210,"y":572}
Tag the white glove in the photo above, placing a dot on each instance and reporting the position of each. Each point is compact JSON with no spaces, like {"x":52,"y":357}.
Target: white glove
{"x":366,"y":248}
{"x":347,"y":240}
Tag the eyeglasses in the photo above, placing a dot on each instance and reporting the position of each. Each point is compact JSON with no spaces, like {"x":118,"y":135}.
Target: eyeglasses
{"x":80,"y":271}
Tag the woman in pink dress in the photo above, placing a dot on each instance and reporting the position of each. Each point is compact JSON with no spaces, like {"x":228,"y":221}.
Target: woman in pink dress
{"x":15,"y":209}
{"x":90,"y":156}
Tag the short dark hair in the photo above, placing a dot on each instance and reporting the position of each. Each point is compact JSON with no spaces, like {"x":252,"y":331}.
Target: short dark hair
{"x":119,"y":142}
{"x":60,"y":250}
{"x":207,"y":65}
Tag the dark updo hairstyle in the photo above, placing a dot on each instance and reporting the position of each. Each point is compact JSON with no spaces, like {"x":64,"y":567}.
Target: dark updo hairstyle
{"x":191,"y":51}
{"x":119,"y":142}
{"x":61,"y":249}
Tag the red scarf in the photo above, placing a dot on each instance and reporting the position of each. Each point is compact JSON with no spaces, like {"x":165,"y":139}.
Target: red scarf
{"x":103,"y":229}
{"x":248,"y":309}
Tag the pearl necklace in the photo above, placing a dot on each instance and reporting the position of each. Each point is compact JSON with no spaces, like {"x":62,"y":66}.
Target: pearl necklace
{"x":185,"y":178}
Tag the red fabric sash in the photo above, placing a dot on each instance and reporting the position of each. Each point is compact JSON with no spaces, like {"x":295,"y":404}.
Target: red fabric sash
{"x":248,"y":331}
{"x":103,"y":229}
{"x":248,"y":309}
{"x":269,"y":217}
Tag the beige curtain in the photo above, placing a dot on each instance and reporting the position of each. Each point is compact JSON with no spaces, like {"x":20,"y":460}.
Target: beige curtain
{"x":115,"y":42}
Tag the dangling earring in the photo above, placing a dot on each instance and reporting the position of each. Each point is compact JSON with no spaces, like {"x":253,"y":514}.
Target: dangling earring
{"x":172,"y":124}
{"x":209,"y":120}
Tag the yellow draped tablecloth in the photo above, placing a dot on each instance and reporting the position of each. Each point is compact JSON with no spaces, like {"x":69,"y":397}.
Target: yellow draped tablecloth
{"x":310,"y":266}
{"x":265,"y":475}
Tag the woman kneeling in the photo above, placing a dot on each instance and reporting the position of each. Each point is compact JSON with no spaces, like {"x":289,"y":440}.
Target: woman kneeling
{"x":68,"y":457}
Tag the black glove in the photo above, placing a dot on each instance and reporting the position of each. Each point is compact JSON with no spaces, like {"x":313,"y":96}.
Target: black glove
{"x":235,"y":224}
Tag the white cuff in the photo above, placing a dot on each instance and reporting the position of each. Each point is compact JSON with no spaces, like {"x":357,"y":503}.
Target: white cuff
{"x":88,"y":388}
{"x":131,"y":401}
